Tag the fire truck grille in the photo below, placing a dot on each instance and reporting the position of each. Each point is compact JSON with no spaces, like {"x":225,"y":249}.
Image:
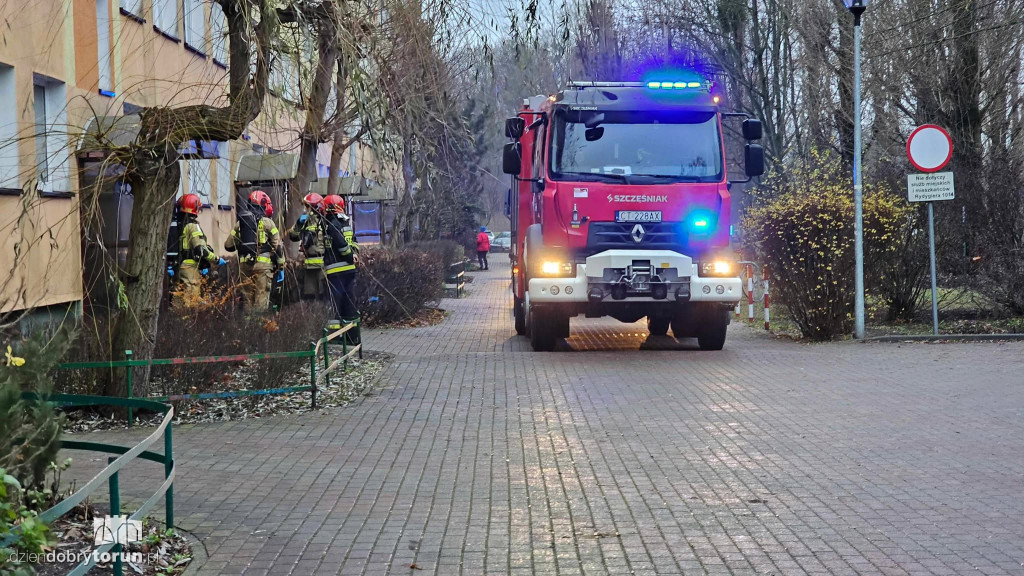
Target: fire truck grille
{"x":649,"y":236}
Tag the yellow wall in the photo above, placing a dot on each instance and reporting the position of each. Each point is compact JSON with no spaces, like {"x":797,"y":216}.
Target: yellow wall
{"x":40,"y":237}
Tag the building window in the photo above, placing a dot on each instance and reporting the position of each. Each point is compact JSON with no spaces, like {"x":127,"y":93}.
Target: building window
{"x":103,"y":45}
{"x":199,"y":180}
{"x":49,"y":103}
{"x":9,"y":177}
{"x":41,"y":131}
{"x":219,"y":34}
{"x":132,"y":7}
{"x":284,"y":78}
{"x":182,"y":175}
{"x":165,"y":16}
{"x":195,"y":26}
{"x":224,"y":180}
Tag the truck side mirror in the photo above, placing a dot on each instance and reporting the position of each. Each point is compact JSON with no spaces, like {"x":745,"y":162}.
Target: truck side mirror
{"x":511,"y":158}
{"x":514,"y":128}
{"x":752,"y":129}
{"x":753,"y":158}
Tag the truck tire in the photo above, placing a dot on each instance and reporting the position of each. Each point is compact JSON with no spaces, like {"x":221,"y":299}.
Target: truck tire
{"x":711,"y":334}
{"x":543,"y":335}
{"x":519,"y":314}
{"x":658,"y":325}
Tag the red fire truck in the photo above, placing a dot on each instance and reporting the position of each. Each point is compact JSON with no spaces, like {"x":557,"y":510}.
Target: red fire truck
{"x":619,"y":207}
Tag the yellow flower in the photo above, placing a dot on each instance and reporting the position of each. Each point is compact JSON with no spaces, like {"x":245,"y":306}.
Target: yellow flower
{"x":13,"y":360}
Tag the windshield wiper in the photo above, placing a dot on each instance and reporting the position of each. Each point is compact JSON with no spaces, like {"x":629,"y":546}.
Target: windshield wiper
{"x":670,"y":178}
{"x":599,"y":175}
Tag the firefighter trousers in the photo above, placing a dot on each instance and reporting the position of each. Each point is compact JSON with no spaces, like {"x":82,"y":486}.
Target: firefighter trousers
{"x":185,"y":291}
{"x":343,"y":296}
{"x":314,"y":285}
{"x":257,"y":279}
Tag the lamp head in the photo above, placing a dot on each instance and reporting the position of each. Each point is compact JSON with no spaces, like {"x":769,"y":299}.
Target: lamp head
{"x":856,"y":7}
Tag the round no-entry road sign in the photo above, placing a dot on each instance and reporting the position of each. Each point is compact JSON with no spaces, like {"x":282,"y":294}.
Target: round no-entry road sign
{"x":929,"y":148}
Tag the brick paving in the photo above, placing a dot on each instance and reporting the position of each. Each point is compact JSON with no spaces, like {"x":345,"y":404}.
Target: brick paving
{"x":477,"y":456}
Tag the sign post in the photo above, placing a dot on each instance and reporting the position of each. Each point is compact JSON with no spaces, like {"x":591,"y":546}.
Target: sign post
{"x":929,"y":149}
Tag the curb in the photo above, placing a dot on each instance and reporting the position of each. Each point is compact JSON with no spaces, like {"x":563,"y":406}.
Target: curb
{"x":944,"y":337}
{"x":199,"y":553}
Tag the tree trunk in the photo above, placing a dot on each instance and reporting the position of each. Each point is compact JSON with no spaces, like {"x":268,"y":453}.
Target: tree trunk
{"x":844,"y":115}
{"x":154,"y":183}
{"x":316,"y":109}
{"x":399,"y":228}
{"x":338,"y":145}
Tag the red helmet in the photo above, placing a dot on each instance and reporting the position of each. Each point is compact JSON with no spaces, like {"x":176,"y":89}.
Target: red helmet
{"x":314,"y":201}
{"x":261,"y":199}
{"x":269,"y":211}
{"x":335,"y":204}
{"x":190,"y":204}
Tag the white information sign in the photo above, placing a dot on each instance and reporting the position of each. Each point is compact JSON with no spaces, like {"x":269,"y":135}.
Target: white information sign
{"x":930,"y":187}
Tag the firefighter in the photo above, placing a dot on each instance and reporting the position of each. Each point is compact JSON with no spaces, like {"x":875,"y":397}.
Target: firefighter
{"x":195,"y":257}
{"x":260,"y":251}
{"x":308,"y":230}
{"x":339,"y":263}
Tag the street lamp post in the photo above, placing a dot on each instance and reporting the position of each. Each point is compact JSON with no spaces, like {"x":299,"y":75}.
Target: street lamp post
{"x":857,"y":7}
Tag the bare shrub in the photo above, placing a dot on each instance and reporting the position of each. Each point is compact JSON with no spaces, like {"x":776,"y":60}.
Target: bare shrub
{"x":396,"y":284}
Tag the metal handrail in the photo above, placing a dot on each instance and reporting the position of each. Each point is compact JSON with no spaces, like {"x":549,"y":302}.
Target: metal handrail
{"x":110,"y":472}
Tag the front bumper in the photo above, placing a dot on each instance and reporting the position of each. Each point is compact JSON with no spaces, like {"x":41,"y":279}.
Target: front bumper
{"x":611,"y":277}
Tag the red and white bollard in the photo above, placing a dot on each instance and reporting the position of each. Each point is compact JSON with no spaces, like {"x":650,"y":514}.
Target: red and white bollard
{"x":750,"y":293}
{"x":767,"y":300}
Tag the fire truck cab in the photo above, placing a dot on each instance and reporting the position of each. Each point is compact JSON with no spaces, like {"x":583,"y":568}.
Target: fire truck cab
{"x":620,"y":207}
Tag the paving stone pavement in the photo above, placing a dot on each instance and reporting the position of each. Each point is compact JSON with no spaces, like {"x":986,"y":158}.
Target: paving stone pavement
{"x":477,"y":456}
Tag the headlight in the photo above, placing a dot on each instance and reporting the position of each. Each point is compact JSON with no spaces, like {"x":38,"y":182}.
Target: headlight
{"x":716,"y":268}
{"x":556,"y":268}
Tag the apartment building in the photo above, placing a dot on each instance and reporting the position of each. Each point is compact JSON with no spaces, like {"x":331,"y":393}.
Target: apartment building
{"x":71,"y":67}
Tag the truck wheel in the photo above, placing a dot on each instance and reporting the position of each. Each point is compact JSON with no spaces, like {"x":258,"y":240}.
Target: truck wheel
{"x":658,"y":325}
{"x":519,"y":313}
{"x":711,"y":335}
{"x":543,"y":335}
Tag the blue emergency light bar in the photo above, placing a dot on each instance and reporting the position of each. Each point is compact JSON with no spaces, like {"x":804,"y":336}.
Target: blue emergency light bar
{"x":679,"y":85}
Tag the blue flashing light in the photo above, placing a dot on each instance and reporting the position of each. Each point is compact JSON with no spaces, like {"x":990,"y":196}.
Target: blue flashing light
{"x":701,"y":222}
{"x":705,"y":85}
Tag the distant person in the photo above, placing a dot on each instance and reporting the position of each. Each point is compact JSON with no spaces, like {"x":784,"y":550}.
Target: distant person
{"x":483,"y":246}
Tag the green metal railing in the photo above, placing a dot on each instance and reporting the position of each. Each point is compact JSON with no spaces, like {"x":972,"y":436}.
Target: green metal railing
{"x":347,"y":351}
{"x":110,"y":473}
{"x":313,"y":353}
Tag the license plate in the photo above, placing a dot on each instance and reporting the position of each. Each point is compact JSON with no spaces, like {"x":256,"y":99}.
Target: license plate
{"x":638,"y":216}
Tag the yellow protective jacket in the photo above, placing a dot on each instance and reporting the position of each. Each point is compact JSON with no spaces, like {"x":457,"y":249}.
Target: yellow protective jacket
{"x":314,"y":242}
{"x":194,"y":248}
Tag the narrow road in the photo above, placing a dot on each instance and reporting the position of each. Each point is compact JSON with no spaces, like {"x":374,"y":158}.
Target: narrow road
{"x":477,"y":456}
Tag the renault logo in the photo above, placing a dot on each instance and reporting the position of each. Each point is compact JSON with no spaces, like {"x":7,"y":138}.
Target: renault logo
{"x":638,"y":233}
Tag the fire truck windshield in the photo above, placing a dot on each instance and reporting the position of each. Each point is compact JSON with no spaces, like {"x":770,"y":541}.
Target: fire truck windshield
{"x":636,"y":147}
